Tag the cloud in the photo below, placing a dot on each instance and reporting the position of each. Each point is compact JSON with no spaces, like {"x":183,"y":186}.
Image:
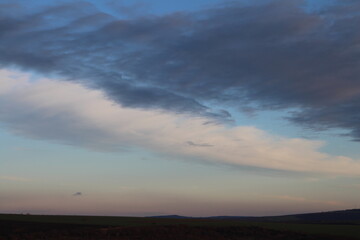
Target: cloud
{"x":69,"y":113}
{"x":77,"y":194}
{"x":198,"y":144}
{"x":303,"y":200}
{"x":273,"y":55}
{"x":15,"y":179}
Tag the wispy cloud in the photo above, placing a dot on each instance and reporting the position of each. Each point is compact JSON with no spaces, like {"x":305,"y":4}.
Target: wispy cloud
{"x":64,"y":112}
{"x":15,"y":179}
{"x":306,"y":200}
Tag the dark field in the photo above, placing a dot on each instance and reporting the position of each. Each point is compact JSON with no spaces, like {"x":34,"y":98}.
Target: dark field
{"x":24,"y":227}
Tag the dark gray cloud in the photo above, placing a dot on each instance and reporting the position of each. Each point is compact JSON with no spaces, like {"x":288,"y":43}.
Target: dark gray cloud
{"x":77,"y":194}
{"x":275,"y":55}
{"x":191,"y":143}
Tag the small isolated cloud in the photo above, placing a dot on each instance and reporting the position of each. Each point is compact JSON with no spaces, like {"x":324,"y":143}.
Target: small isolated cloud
{"x":198,"y":144}
{"x":77,"y":194}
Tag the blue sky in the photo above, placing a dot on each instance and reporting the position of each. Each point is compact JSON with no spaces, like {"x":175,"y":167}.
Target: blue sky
{"x":196,"y":108}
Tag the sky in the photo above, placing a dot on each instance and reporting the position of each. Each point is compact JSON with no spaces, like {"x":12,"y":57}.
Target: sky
{"x":196,"y":108}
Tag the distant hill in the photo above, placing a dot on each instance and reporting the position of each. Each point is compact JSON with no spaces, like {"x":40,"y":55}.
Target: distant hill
{"x":171,"y":216}
{"x":351,"y":216}
{"x":344,"y":216}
